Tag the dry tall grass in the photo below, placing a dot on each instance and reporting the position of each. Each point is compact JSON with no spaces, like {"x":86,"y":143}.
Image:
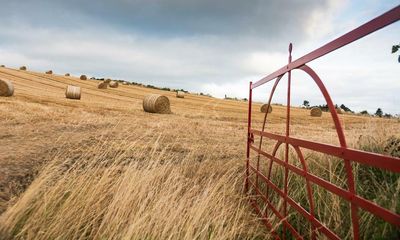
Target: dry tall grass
{"x":147,"y":189}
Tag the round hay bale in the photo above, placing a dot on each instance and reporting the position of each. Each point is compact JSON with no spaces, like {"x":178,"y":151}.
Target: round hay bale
{"x":107,"y":80}
{"x":125,"y":83}
{"x":6,"y":88}
{"x":23,"y":68}
{"x":67,"y":74}
{"x":339,"y":111}
{"x":266,"y":107}
{"x":102,"y":85}
{"x":83,"y":77}
{"x":49,"y":72}
{"x":180,"y":94}
{"x":155,"y":103}
{"x":113,"y":84}
{"x":73,"y":92}
{"x":316,"y":112}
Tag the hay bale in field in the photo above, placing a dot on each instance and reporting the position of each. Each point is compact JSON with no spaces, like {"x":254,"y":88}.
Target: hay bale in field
{"x":6,"y":88}
{"x":83,"y":77}
{"x":125,"y":83}
{"x":316,"y":112}
{"x":23,"y":68}
{"x":49,"y":72}
{"x":339,"y":111}
{"x":113,"y":84}
{"x":265,"y":107}
{"x":180,"y":94}
{"x":107,"y":80}
{"x":155,"y":103}
{"x":73,"y":92}
{"x":102,"y":85}
{"x":67,"y":74}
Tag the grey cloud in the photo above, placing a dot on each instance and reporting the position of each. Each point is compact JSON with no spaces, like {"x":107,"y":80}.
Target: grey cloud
{"x":234,"y":19}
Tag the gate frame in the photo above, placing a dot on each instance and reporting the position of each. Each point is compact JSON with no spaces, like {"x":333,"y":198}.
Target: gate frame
{"x":347,"y":154}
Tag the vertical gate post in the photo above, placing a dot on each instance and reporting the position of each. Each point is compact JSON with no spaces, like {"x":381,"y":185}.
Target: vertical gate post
{"x":287,"y":144}
{"x":249,"y":139}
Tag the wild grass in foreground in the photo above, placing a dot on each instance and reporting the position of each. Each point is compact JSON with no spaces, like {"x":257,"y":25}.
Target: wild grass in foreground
{"x":155,"y":188}
{"x":134,"y":190}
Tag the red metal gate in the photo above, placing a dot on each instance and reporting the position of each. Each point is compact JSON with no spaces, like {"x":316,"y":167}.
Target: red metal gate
{"x":348,"y":155}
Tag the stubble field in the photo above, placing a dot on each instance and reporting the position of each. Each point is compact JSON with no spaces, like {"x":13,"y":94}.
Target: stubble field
{"x":102,"y":168}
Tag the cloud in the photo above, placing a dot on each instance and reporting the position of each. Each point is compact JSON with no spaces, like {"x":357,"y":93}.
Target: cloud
{"x":185,"y":40}
{"x":270,"y":19}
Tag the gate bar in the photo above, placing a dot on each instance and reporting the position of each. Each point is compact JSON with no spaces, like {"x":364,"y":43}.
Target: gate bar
{"x":370,"y":159}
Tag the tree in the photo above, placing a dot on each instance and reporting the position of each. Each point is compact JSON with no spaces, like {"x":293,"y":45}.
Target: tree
{"x":364,"y":112}
{"x":346,"y":109}
{"x":306,"y":103}
{"x":379,"y":112}
{"x":395,"y":48}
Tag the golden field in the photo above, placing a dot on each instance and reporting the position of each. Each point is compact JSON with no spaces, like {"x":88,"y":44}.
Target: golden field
{"x":102,"y":168}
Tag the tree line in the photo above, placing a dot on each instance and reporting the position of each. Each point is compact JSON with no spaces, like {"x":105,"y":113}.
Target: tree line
{"x":325,"y":108}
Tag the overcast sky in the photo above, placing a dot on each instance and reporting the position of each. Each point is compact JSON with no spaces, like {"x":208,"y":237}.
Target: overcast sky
{"x":208,"y":46}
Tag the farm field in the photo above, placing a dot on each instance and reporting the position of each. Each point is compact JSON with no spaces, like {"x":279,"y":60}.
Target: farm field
{"x":102,"y":168}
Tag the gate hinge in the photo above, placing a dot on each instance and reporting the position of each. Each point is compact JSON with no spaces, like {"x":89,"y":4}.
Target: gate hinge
{"x":250,"y":138}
